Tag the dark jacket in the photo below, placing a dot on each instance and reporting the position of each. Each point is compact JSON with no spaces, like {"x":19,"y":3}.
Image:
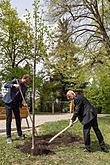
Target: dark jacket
{"x":83,"y":110}
{"x":13,"y":95}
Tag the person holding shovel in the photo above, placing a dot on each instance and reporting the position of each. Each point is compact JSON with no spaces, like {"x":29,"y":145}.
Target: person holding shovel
{"x":13,"y":101}
{"x":87,"y":115}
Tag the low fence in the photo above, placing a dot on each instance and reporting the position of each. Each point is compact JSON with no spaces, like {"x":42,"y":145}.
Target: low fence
{"x":61,"y":106}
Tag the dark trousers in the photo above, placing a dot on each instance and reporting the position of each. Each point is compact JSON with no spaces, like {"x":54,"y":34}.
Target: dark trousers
{"x":86,"y":131}
{"x":15,"y":109}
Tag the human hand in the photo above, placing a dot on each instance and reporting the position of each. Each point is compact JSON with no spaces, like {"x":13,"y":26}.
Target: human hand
{"x":16,"y":85}
{"x":24,"y":104}
{"x":70,"y":123}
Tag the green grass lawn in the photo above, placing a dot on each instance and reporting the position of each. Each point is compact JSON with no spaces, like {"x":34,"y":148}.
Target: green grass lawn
{"x":63,"y":155}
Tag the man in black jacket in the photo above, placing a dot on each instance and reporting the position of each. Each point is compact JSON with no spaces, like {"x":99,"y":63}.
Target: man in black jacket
{"x":87,"y":115}
{"x":13,"y":102}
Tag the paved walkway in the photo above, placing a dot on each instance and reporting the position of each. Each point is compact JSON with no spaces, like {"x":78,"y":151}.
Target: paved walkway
{"x":39,"y":119}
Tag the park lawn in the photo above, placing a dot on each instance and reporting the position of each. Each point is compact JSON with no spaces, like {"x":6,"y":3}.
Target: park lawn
{"x":63,"y":155}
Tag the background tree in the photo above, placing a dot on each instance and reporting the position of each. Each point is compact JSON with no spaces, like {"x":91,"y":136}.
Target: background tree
{"x":15,"y":39}
{"x":89,"y":29}
{"x":89,"y":19}
{"x":62,"y":67}
{"x":89,"y":26}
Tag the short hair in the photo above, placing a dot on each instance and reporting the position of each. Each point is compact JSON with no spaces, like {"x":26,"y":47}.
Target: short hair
{"x":70,"y":92}
{"x":25,"y":76}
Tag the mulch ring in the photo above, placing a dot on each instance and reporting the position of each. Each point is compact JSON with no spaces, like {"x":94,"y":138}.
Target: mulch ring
{"x":42,"y":147}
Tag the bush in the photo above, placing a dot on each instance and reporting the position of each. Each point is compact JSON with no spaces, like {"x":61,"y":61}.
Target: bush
{"x":65,"y":110}
{"x":99,"y":109}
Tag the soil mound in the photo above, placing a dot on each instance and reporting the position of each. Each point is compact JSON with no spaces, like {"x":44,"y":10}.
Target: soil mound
{"x":42,"y":147}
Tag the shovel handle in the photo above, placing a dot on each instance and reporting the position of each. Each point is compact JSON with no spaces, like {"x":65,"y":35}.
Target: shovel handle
{"x":25,"y":103}
{"x":61,"y":131}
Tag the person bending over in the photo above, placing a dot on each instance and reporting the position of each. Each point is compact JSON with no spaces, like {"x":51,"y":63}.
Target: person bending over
{"x":87,"y":115}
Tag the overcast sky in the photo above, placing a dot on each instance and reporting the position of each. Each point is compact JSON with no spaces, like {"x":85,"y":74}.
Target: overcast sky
{"x":21,"y":5}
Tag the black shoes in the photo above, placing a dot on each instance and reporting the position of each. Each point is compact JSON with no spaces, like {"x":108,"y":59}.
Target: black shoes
{"x":87,"y":150}
{"x":105,"y":149}
{"x":22,"y":137}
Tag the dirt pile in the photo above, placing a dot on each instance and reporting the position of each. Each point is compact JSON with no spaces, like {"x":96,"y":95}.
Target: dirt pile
{"x":43,"y":147}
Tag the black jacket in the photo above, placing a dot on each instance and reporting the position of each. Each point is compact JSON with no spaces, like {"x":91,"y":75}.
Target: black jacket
{"x":13,"y":95}
{"x":83,"y":110}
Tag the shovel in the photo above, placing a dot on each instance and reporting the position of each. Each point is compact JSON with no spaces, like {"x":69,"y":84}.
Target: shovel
{"x":25,"y":103}
{"x":62,"y":131}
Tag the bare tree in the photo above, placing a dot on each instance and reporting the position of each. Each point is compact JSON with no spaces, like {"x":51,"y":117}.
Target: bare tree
{"x":89,"y":20}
